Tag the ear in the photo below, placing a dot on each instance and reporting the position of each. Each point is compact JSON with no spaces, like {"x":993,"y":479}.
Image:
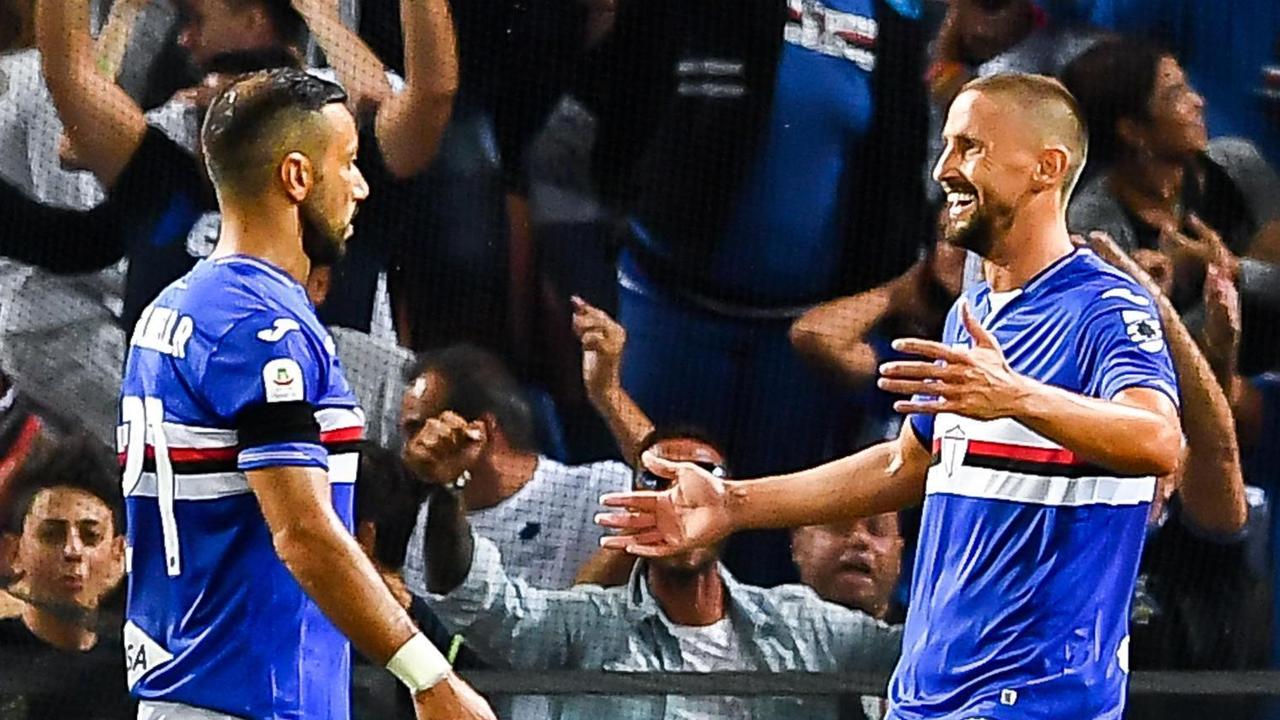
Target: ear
{"x":1131,"y":133}
{"x":297,"y":176}
{"x":1052,"y":167}
{"x":8,"y":556}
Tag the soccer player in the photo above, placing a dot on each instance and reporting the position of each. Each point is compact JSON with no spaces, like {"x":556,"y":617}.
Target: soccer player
{"x":236,"y":436}
{"x":1038,"y":427}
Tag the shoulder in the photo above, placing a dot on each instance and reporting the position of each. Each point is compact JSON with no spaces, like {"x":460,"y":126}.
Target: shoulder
{"x":1097,"y":286}
{"x":1238,"y":156}
{"x":241,"y":298}
{"x":1094,"y":207}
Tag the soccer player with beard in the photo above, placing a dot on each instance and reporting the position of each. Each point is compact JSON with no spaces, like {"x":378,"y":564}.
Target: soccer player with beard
{"x":237,"y":432}
{"x":1037,"y":429}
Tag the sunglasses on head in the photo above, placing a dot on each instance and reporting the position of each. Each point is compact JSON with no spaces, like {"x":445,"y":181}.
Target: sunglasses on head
{"x":645,"y":480}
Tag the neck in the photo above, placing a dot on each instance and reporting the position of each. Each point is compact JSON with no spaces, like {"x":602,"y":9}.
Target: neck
{"x":695,"y":599}
{"x":1148,"y":183}
{"x":62,"y":632}
{"x":1037,"y":238}
{"x":258,"y":232}
{"x":497,"y":477}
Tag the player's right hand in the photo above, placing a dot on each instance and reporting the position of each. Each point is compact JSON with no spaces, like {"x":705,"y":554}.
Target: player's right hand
{"x":694,"y":512}
{"x":446,"y":446}
{"x":451,"y":699}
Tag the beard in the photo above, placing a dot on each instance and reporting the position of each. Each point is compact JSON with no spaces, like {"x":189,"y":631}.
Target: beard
{"x":978,"y":230}
{"x":321,"y":241}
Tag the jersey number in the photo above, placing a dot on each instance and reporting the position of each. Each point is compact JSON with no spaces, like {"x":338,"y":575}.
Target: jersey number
{"x":144,"y":418}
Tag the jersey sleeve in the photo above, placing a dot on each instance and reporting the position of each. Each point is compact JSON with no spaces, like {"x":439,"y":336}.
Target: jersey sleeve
{"x":1122,"y":345}
{"x":264,"y":378}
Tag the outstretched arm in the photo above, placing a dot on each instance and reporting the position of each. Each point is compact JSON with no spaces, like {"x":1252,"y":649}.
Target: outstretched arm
{"x":603,"y":340}
{"x":409,"y":124}
{"x":700,"y":509}
{"x":105,"y":126}
{"x":1135,"y":433}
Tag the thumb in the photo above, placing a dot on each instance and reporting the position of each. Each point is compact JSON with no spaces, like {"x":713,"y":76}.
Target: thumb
{"x":981,"y":337}
{"x":660,"y":466}
{"x":475,"y":431}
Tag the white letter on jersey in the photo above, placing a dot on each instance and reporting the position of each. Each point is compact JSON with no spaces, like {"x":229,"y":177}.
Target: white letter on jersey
{"x":277,"y":330}
{"x":141,"y":653}
{"x":282,"y":380}
{"x":163,"y":330}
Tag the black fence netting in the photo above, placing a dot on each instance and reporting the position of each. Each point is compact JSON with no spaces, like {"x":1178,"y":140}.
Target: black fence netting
{"x":445,"y":272}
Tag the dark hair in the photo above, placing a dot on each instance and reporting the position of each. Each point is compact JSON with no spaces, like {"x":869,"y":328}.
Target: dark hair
{"x":244,"y":114}
{"x":1111,"y":81}
{"x":78,"y":462}
{"x":387,"y":495}
{"x":241,"y":62}
{"x":477,"y":383}
{"x":288,"y":23}
{"x":680,"y":432}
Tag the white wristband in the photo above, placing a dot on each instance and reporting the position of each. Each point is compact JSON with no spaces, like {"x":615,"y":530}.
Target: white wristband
{"x":418,"y":664}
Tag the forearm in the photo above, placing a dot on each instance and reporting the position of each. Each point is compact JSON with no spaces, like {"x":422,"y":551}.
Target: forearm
{"x":358,"y":68}
{"x":448,"y":546}
{"x":883,"y":478}
{"x":410,"y":123}
{"x":1212,"y":485}
{"x":337,"y":575}
{"x":834,"y":334}
{"x":627,"y":422}
{"x":1120,"y":437}
{"x":104,"y":124}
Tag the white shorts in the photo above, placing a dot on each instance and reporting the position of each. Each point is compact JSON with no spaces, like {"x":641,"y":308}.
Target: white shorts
{"x":152,"y":710}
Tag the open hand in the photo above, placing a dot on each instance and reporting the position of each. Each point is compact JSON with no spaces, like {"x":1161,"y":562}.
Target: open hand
{"x":694,"y":512}
{"x":975,"y":382}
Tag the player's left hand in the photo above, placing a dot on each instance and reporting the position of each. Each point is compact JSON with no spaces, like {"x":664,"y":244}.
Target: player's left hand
{"x":976,"y":382}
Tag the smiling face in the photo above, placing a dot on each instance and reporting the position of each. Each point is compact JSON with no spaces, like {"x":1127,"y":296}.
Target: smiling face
{"x":1175,"y":127}
{"x":854,"y":563}
{"x":68,"y":552}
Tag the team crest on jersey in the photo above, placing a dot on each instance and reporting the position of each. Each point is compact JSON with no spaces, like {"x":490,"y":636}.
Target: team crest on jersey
{"x":954,"y":445}
{"x":282,"y":380}
{"x":1143,"y":330}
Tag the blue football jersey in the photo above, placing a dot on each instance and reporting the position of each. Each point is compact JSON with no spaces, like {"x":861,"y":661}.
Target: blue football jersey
{"x":229,"y":370}
{"x":1027,"y":554}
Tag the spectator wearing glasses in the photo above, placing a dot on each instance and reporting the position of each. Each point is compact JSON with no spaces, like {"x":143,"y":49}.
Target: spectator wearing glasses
{"x":681,"y":614}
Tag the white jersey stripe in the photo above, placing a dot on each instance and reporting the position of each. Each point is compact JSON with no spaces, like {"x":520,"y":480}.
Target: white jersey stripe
{"x":1039,"y":489}
{"x":336,"y":418}
{"x":1000,"y":430}
{"x":343,"y":469}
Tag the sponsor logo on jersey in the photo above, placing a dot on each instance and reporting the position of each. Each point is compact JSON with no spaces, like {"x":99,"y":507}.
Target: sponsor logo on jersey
{"x":282,"y":380}
{"x":1143,"y":329}
{"x":142,"y":654}
{"x":278,"y":329}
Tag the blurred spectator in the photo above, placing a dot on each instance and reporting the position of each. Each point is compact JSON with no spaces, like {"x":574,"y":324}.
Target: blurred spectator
{"x":680,"y":614}
{"x":765,"y":161}
{"x":23,"y":435}
{"x":1160,"y":184}
{"x":387,"y":500}
{"x":1198,"y":599}
{"x":466,"y":423}
{"x":172,"y":220}
{"x":855,"y":563}
{"x":987,"y":37}
{"x":1226,"y":47}
{"x":64,"y":536}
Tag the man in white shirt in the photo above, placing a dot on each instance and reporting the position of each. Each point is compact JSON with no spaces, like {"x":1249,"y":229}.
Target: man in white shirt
{"x":465,"y":416}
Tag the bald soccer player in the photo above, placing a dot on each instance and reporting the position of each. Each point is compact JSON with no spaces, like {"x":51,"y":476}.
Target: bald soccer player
{"x":1037,"y":429}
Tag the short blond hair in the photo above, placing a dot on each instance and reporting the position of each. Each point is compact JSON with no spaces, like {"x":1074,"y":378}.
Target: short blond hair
{"x":1051,"y":106}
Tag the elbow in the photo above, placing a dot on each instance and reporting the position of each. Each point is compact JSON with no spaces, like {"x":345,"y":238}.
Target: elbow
{"x":1163,"y":452}
{"x":805,"y":338}
{"x":300,"y":546}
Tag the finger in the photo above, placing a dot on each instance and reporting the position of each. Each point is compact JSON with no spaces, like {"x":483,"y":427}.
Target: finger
{"x":981,"y":336}
{"x":917,"y":370}
{"x":914,"y":387}
{"x":920,"y":407}
{"x":616,"y":542}
{"x":632,"y":521}
{"x":578,"y":303}
{"x":660,"y":466}
{"x":1078,"y":240}
{"x":451,"y":419}
{"x":930,"y":349}
{"x":475,"y":431}
{"x":1200,"y":228}
{"x":638,"y":501}
{"x":652,"y":550}
{"x":593,"y":339}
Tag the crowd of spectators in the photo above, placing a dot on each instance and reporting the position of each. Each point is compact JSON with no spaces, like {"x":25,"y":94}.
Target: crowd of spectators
{"x":603,"y":227}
